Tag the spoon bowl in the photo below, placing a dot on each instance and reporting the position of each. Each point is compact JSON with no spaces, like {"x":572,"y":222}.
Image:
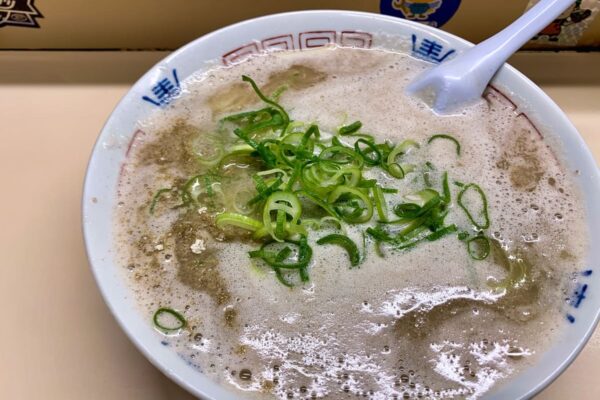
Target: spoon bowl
{"x":462,"y":80}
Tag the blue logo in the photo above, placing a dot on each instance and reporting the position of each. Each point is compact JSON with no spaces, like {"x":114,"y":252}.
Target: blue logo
{"x":164,"y":91}
{"x":429,"y":50}
{"x":431,"y":12}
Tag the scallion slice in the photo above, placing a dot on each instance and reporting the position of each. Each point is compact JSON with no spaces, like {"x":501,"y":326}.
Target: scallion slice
{"x":371,"y":155}
{"x":380,"y":203}
{"x":395,"y":169}
{"x":353,"y":205}
{"x":321,"y":203}
{"x":482,"y":214}
{"x":346,"y":243}
{"x":156,"y":198}
{"x":350,"y":129}
{"x":238,"y":220}
{"x":284,"y":204}
{"x":179,"y":321}
{"x":447,"y":137}
{"x":282,"y":257}
{"x":284,"y":114}
{"x":478,"y":247}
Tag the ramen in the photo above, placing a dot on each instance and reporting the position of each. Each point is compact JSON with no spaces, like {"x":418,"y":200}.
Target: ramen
{"x":295,"y":226}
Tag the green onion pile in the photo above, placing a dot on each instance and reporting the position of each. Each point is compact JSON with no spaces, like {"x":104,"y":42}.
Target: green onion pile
{"x":307,"y":181}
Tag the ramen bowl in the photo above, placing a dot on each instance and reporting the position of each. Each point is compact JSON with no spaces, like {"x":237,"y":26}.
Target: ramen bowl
{"x":307,"y":30}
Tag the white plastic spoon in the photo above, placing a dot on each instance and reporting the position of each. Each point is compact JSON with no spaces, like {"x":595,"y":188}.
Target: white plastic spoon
{"x":463,"y":79}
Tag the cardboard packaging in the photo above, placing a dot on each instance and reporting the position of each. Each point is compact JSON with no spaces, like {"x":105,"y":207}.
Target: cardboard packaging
{"x":166,"y":25}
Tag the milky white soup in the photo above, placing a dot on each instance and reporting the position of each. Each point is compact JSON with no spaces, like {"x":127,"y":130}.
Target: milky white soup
{"x":339,"y":239}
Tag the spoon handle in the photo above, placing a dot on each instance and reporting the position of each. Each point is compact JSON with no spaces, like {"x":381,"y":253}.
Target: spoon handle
{"x":464,"y":78}
{"x":498,"y":48}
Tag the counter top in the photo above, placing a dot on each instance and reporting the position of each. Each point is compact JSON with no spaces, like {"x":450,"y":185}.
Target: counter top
{"x":58,"y":339}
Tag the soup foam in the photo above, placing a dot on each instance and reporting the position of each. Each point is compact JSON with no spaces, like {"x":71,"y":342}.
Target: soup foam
{"x":418,"y":323}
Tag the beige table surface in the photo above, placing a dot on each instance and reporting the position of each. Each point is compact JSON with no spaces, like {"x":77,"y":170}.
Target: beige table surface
{"x":57,"y":338}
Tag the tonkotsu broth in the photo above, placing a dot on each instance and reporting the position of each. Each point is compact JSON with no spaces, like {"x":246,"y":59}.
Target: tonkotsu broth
{"x":422,"y":322}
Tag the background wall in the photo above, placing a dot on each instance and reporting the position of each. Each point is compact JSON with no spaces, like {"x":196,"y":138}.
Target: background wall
{"x":168,"y":24}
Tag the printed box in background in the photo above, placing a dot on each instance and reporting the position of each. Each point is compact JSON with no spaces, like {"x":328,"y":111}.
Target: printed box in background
{"x":159,"y":24}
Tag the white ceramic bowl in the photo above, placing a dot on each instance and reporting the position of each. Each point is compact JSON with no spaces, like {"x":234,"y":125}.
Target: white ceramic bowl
{"x":300,"y":30}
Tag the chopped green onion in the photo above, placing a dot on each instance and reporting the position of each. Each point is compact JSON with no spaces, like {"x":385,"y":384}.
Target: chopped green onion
{"x":417,"y":203}
{"x":346,"y":243}
{"x":237,"y":151}
{"x":316,"y":200}
{"x":446,"y":189}
{"x":292,"y":165}
{"x":335,"y":221}
{"x":378,"y":250}
{"x":292,"y":230}
{"x":273,"y":259}
{"x":261,"y":150}
{"x":483,"y":213}
{"x":284,"y":258}
{"x":272,"y":171}
{"x":294,"y":178}
{"x":281,"y":278}
{"x":411,"y":234}
{"x":478,"y":247}
{"x":392,"y":167}
{"x":322,"y":177}
{"x":441,"y":232}
{"x":335,"y":141}
{"x":342,"y":155}
{"x":283,"y":254}
{"x":395,"y":170}
{"x":380,"y":203}
{"x":405,"y":226}
{"x":156,"y":197}
{"x":367,"y":183}
{"x":398,"y":171}
{"x":380,"y":235}
{"x":278,"y":92}
{"x":400,"y":149}
{"x":298,"y":146}
{"x":407,"y":210}
{"x":191,"y":190}
{"x":371,"y":156}
{"x":352,"y":204}
{"x":263,"y":190}
{"x":318,"y":224}
{"x":350,"y":129}
{"x":284,"y":114}
{"x":284,"y":204}
{"x":427,"y":179}
{"x":462,"y":235}
{"x":238,"y":220}
{"x":280,"y":226}
{"x":180,"y":321}
{"x":250,"y":116}
{"x":447,"y":137}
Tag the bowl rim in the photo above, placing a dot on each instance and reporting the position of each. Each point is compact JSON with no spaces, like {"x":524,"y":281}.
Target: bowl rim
{"x":215,"y":389}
